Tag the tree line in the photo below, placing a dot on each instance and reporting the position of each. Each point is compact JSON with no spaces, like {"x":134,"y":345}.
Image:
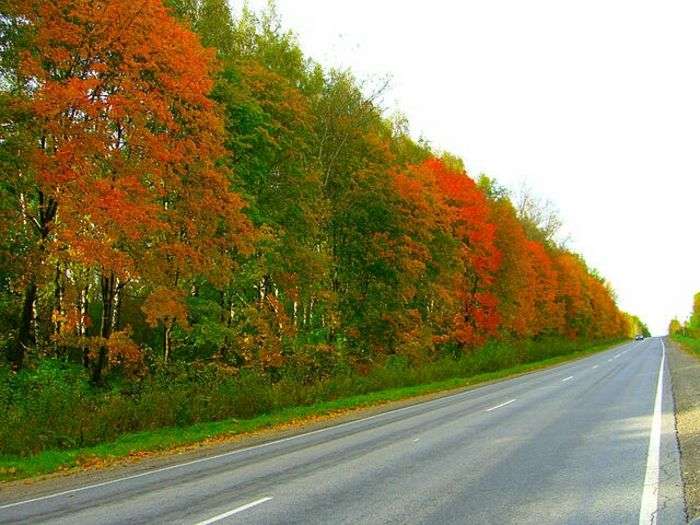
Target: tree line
{"x":179,"y":184}
{"x":691,"y":326}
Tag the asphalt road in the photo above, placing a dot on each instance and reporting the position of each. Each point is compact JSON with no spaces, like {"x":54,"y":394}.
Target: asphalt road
{"x":587,"y":442}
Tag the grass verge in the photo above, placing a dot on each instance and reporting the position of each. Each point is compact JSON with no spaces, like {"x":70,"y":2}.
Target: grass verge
{"x":691,"y":344}
{"x":164,"y":439}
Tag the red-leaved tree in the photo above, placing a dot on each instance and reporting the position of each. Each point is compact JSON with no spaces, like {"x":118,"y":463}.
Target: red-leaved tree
{"x":126,"y":167}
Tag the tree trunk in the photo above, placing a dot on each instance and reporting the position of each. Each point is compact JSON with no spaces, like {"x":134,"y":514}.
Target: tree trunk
{"x":108,"y":288}
{"x":167,"y":341}
{"x":223,"y":305}
{"x":81,"y":327}
{"x":58,"y":310}
{"x":117,"y":305}
{"x":26,"y":336}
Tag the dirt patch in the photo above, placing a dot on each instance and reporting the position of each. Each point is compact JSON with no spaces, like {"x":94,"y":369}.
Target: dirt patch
{"x":685,"y":377}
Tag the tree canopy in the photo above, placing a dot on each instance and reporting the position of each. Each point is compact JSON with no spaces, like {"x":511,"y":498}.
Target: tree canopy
{"x":181,"y":185}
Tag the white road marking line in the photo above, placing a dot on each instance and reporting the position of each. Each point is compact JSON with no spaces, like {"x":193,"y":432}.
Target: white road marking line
{"x":595,"y":366}
{"x":234,"y":511}
{"x":499,"y":406}
{"x":609,"y":360}
{"x":567,"y":379}
{"x":650,"y":494}
{"x":618,"y":355}
{"x":416,"y":440}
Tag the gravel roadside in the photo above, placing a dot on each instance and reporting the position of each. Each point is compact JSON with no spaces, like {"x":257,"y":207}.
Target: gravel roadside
{"x":685,"y":378}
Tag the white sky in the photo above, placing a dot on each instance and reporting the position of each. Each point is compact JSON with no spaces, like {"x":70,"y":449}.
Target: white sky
{"x":595,"y":104}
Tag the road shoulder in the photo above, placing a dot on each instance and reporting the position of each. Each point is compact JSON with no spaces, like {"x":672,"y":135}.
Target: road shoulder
{"x":685,"y":378}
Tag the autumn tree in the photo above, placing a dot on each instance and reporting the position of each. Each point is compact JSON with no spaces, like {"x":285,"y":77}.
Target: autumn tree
{"x":674,"y":327}
{"x":429,"y":260}
{"x":694,"y":321}
{"x":549,"y":313}
{"x":516,"y":280}
{"x":635,"y":326}
{"x":470,"y":225}
{"x":210,"y":19}
{"x":177,"y":178}
{"x":25,"y":213}
{"x":539,"y":216}
{"x":126,"y":180}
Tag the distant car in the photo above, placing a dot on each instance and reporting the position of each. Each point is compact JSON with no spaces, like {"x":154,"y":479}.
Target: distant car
{"x":639,"y":337}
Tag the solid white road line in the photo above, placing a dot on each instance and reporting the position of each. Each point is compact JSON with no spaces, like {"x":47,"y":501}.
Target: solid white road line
{"x":567,"y":379}
{"x":650,"y":494}
{"x":499,"y":406}
{"x":234,"y":511}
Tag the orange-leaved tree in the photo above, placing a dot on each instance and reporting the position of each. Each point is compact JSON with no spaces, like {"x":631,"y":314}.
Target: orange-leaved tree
{"x":428,"y":258}
{"x":128,"y":141}
{"x":515,"y":283}
{"x":470,"y":225}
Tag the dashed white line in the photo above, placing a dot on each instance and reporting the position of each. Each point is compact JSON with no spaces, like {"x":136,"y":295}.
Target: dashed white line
{"x":567,"y":379}
{"x":609,"y":360}
{"x":234,"y":511}
{"x":650,"y":494}
{"x":499,"y":406}
{"x":594,"y":367}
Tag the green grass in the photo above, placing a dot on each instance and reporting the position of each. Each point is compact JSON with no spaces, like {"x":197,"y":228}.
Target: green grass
{"x":49,"y":461}
{"x":691,"y":344}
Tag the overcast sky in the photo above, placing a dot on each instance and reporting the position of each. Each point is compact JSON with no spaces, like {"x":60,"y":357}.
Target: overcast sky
{"x":594,"y":104}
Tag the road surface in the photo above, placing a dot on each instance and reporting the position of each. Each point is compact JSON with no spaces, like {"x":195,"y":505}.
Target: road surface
{"x":587,"y":442}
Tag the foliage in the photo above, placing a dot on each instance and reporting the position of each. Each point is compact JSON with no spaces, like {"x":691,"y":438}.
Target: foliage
{"x":692,"y":344}
{"x":674,"y":327}
{"x":691,"y":328}
{"x":637,"y":326}
{"x":196,"y":219}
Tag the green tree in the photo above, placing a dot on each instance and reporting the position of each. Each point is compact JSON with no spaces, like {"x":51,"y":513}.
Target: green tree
{"x":694,"y":321}
{"x":675,"y":327}
{"x":210,"y":19}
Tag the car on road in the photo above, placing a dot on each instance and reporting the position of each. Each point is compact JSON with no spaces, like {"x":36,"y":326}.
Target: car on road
{"x":639,"y":337}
